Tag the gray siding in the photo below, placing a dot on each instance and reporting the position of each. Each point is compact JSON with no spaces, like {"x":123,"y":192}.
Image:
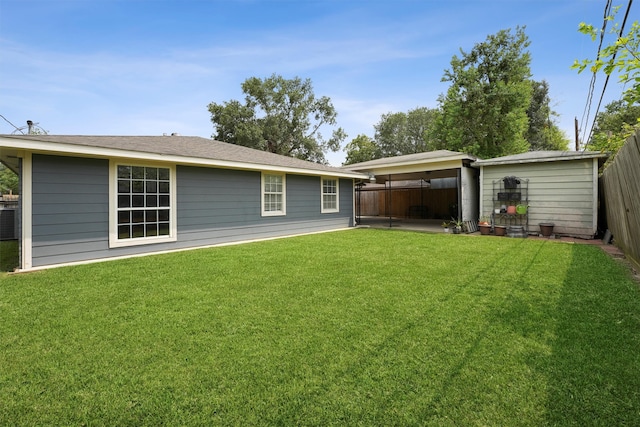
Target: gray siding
{"x":69,"y":208}
{"x":221,"y":206}
{"x":214,"y":206}
{"x":561,"y":192}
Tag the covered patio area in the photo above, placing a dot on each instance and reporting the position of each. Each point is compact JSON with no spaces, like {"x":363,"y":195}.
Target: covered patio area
{"x":423,"y":188}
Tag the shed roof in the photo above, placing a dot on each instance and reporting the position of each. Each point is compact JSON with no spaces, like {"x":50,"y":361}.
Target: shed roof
{"x":180,"y":149}
{"x":542,"y":156}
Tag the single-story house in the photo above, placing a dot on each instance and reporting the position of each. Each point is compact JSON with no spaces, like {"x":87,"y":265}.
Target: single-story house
{"x":557,"y":187}
{"x":438,"y":184}
{"x":86,"y":198}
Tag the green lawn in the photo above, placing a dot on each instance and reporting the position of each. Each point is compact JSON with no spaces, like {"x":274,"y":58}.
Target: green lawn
{"x":359,"y":327}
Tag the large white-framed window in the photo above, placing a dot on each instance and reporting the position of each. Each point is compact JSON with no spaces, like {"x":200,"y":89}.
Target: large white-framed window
{"x":330,"y":189}
{"x":142,"y":207}
{"x":273,"y":194}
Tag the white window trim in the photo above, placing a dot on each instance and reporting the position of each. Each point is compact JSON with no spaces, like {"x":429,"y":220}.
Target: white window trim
{"x":114,"y":242}
{"x":281,"y":212}
{"x":322,"y":208}
{"x":26,"y":203}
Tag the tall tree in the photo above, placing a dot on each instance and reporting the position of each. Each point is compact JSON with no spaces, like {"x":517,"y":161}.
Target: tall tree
{"x":613,"y":126}
{"x":405,"y":133}
{"x":8,"y":181}
{"x":281,"y":116}
{"x":543,"y":133}
{"x":361,"y":149}
{"x":484,"y":111}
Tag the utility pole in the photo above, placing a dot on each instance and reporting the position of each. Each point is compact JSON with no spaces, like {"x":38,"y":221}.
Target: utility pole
{"x":577,"y":137}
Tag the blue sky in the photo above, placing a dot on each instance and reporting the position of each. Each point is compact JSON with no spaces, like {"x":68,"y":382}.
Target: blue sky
{"x":148,"y":67}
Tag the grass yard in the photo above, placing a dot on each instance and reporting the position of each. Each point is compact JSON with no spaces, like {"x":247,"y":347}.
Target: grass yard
{"x":359,"y":327}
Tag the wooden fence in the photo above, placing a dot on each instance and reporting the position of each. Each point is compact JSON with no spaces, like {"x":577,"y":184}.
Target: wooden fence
{"x":621,"y":186}
{"x":408,"y":202}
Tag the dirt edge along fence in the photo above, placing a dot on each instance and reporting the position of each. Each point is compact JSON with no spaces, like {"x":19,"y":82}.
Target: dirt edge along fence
{"x":621,"y":185}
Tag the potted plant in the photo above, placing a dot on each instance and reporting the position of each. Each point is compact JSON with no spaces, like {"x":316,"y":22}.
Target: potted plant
{"x":445,"y":226}
{"x":484,"y":225}
{"x":457,"y":225}
{"x":500,"y":230}
{"x":546,"y":228}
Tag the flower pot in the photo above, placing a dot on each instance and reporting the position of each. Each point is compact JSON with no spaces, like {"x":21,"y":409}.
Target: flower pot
{"x":546,"y":228}
{"x":485,"y":229}
{"x":500,"y":230}
{"x":511,"y":210}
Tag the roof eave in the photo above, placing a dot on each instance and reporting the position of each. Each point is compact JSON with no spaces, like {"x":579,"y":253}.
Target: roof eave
{"x":382,"y":165}
{"x":61,"y":148}
{"x":491,"y":162}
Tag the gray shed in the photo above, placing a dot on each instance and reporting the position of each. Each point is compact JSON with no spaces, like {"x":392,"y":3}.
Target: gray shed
{"x":559,"y":187}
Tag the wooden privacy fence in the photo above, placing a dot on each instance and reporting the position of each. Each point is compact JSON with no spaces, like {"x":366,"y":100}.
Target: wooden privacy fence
{"x":621,"y":186}
{"x":406,"y":201}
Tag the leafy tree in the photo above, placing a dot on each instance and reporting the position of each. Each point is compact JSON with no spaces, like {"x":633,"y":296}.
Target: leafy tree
{"x":279,"y":115}
{"x":613,"y":126}
{"x":543,"y":133}
{"x":621,"y":56}
{"x":8,"y":181}
{"x":405,"y":133}
{"x":361,"y":149}
{"x":484,"y":111}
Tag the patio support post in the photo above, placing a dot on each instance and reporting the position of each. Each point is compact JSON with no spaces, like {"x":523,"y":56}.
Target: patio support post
{"x":389,"y":179}
{"x":459,"y":185}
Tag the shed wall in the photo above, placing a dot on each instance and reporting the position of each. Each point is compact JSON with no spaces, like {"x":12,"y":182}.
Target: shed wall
{"x":562,"y":192}
{"x":214,"y":206}
{"x":469,"y":193}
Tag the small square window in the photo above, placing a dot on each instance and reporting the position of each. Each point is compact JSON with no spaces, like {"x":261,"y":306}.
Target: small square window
{"x":163,"y":215}
{"x":124,"y":201}
{"x":137,"y":172}
{"x":124,"y":231}
{"x":137,"y":216}
{"x":124,"y":172}
{"x":137,"y":187}
{"x":151,"y":173}
{"x":124,"y":217}
{"x":151,"y":216}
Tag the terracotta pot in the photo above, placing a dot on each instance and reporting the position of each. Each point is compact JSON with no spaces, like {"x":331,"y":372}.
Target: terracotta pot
{"x":546,"y":228}
{"x":511,"y":210}
{"x":500,"y":230}
{"x":485,"y":229}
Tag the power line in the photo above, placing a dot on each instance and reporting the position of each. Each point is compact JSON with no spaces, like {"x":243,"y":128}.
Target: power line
{"x":613,"y":58}
{"x":592,"y":84}
{"x":16,"y":127}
